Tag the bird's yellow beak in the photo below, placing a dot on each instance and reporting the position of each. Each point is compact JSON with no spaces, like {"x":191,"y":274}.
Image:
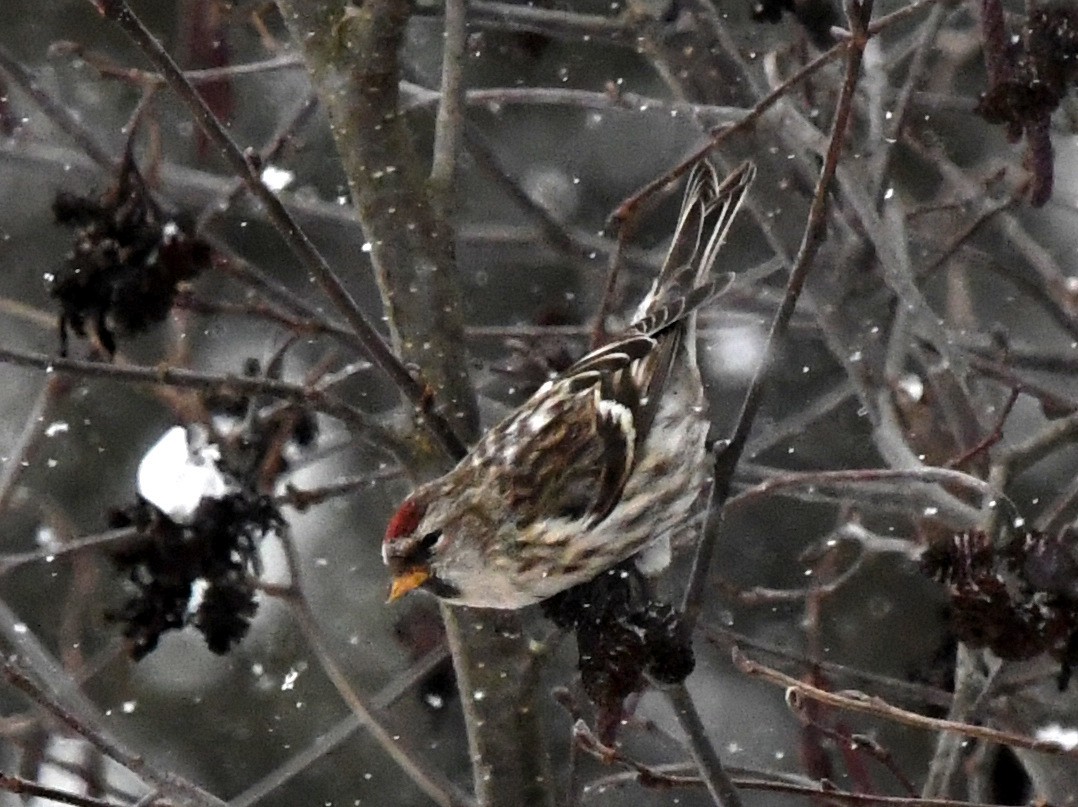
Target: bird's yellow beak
{"x":407,"y":581}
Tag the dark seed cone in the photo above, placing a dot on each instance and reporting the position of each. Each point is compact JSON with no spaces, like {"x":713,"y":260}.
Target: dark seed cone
{"x":126,"y":262}
{"x":1019,"y":599}
{"x":219,"y":547}
{"x":622,"y":637}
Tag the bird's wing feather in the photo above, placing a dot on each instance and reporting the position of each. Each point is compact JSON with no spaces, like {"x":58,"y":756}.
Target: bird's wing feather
{"x":574,"y":446}
{"x":664,"y":316}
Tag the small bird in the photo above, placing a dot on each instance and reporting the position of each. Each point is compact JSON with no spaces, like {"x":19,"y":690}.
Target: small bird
{"x":604,"y":460}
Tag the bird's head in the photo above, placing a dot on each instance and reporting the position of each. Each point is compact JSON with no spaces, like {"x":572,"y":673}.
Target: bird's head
{"x":415,"y":549}
{"x":449,"y":546}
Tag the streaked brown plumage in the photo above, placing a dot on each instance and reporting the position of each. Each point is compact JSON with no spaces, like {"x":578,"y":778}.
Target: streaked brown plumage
{"x":602,"y":461}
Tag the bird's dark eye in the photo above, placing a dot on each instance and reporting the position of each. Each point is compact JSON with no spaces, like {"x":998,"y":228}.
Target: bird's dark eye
{"x":429,"y":540}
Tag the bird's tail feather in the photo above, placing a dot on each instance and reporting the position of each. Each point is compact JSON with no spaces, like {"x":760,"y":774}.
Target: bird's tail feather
{"x":707,"y":212}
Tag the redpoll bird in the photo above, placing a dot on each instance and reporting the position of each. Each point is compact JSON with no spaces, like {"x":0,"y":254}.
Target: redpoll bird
{"x":602,"y":461}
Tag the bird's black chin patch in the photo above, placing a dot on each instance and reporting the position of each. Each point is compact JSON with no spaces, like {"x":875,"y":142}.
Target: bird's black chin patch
{"x":442,"y":589}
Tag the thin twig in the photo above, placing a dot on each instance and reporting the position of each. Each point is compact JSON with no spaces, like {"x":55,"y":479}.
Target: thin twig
{"x":867,"y":476}
{"x":613,"y":270}
{"x":969,"y":689}
{"x":304,"y":498}
{"x":988,"y":210}
{"x":111,"y":539}
{"x":854,"y":701}
{"x":822,"y":793}
{"x":728,"y":639}
{"x":1055,"y":435}
{"x":551,"y":22}
{"x":18,"y":459}
{"x":853,"y":743}
{"x":366,"y":426}
{"x":24,"y":787}
{"x":898,"y":111}
{"x":449,"y":120}
{"x":1055,"y":511}
{"x":205,"y":75}
{"x":55,"y":112}
{"x":701,"y":749}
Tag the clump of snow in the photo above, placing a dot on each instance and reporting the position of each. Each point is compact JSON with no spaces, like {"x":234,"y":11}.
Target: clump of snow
{"x":277,"y":179}
{"x":179,"y":471}
{"x":1065,"y":738}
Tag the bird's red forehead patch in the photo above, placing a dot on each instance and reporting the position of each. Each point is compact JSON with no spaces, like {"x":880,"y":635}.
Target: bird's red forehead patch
{"x":404,"y":521}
